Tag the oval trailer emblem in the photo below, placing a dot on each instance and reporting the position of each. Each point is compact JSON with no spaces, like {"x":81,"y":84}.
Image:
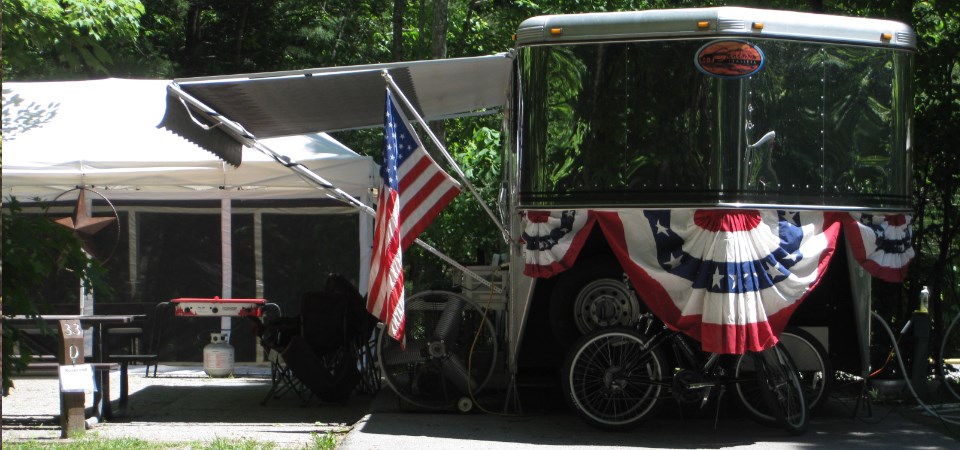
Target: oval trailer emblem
{"x":729,"y":59}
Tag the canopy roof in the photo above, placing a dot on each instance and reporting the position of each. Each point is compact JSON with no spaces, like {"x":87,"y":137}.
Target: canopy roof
{"x":102,"y":133}
{"x":268,"y":105}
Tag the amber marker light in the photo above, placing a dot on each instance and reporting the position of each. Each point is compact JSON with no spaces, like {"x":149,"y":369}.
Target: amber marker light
{"x":703,"y":24}
{"x":886,"y":36}
{"x":758,"y":26}
{"x":557,"y":31}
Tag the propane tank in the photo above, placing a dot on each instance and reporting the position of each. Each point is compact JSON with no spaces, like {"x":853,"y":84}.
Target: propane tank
{"x":218,"y":356}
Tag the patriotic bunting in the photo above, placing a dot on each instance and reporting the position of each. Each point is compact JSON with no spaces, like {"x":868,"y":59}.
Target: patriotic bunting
{"x":881,"y":244}
{"x":729,"y":278}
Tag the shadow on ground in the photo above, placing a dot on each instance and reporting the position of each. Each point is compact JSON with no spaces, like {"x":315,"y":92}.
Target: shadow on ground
{"x":237,"y":403}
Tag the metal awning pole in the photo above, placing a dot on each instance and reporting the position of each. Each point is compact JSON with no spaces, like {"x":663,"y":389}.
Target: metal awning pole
{"x":446,"y":154}
{"x":249,"y":140}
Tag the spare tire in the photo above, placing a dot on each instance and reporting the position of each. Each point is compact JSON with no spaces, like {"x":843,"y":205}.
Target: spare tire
{"x":592,"y":295}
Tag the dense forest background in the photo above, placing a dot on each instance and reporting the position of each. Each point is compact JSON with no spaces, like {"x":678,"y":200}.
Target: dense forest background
{"x":84,"y":39}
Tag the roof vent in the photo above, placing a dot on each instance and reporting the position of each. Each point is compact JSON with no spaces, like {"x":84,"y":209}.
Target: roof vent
{"x":731,"y":24}
{"x":530,"y":34}
{"x":908,"y":39}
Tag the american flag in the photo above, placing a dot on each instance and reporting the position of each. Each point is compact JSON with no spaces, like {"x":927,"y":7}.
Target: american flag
{"x":413,"y":191}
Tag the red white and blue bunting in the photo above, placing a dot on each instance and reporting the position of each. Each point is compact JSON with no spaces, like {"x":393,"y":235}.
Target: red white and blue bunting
{"x":729,"y":278}
{"x":881,"y":244}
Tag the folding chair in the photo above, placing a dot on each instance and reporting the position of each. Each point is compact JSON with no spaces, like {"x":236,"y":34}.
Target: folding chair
{"x":325,"y":351}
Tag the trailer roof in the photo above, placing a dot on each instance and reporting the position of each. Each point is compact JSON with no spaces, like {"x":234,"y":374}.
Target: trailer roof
{"x":696,"y":23}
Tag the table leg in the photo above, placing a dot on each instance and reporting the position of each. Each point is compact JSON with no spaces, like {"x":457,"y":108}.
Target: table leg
{"x":105,"y":397}
{"x":124,"y":387}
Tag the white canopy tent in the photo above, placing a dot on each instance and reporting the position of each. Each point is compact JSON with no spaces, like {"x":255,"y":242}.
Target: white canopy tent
{"x":102,"y":134}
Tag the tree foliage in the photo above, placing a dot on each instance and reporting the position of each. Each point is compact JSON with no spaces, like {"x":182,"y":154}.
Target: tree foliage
{"x":34,"y":248}
{"x":65,"y":38}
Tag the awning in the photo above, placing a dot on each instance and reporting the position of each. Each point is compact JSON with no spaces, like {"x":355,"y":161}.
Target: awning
{"x":265,"y":105}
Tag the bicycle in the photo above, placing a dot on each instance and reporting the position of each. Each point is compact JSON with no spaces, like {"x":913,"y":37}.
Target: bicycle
{"x":615,"y":377}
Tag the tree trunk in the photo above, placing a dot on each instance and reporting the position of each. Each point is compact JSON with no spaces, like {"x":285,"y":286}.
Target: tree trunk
{"x":422,"y":26}
{"x":440,"y":19}
{"x":399,"y":6}
{"x":439,"y":50}
{"x":238,"y":36}
{"x":465,"y":32}
{"x":193,"y":45}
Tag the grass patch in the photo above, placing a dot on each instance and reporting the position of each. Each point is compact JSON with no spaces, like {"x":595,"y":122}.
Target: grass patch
{"x":87,"y":443}
{"x":326,"y":441}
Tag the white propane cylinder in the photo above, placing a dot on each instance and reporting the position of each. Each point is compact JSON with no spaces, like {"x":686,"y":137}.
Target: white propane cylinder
{"x":218,"y":356}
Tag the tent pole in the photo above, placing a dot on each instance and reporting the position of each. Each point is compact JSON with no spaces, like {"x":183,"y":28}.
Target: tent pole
{"x":226,"y":259}
{"x":258,"y":265}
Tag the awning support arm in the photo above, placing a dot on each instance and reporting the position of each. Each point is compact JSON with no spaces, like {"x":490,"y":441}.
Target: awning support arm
{"x":249,"y":140}
{"x":446,"y":154}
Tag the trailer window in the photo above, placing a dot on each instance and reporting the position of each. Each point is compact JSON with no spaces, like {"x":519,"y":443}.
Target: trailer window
{"x":636,"y":123}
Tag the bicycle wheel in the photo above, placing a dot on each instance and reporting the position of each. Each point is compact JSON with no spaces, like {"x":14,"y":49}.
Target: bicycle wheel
{"x":814,"y":370}
{"x":781,"y":389}
{"x":949,"y":358}
{"x":813,"y":366}
{"x":612,"y":379}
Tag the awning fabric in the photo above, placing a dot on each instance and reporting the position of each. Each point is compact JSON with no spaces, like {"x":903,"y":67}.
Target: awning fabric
{"x":267,"y":105}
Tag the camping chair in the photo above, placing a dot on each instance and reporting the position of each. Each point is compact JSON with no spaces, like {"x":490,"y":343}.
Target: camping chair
{"x":324,"y":351}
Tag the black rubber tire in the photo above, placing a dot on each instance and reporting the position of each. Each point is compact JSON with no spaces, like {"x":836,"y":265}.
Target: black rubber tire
{"x":780,"y":387}
{"x":816,"y":382}
{"x":610,"y":381}
{"x":813,"y":365}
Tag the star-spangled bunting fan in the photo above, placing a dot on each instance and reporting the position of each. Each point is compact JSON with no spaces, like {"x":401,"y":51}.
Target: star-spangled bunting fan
{"x":413,"y":191}
{"x":881,"y":244}
{"x":730,"y":279}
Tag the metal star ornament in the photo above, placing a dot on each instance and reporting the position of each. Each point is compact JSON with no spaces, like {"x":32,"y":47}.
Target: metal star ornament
{"x":83,"y":224}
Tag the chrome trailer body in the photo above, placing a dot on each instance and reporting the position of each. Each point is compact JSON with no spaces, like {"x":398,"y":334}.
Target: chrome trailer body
{"x":545,"y":43}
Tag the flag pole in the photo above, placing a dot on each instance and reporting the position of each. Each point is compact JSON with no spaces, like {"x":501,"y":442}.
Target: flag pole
{"x":446,"y":154}
{"x":248,"y":139}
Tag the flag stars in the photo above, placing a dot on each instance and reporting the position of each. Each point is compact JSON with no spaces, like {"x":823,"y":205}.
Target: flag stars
{"x":773,"y":271}
{"x":673,"y":262}
{"x":662,"y":229}
{"x":717,"y":277}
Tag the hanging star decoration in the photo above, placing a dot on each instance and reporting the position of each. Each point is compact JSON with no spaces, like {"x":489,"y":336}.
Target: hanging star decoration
{"x":83,"y":224}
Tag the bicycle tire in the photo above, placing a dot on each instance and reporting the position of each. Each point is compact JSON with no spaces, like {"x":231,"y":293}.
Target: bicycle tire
{"x":610,"y":380}
{"x":781,"y":389}
{"x":949,"y":363}
{"x":815,"y":375}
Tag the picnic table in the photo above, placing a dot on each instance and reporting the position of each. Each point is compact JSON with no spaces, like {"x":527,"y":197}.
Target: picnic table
{"x":104,"y":361}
